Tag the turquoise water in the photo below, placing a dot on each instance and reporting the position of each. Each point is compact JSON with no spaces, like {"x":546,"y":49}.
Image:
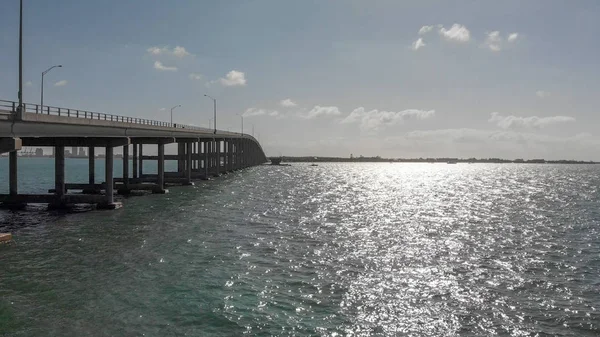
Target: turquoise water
{"x":331,"y":250}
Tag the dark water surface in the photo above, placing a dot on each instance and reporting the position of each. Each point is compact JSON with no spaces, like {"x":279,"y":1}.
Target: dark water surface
{"x":332,"y":250}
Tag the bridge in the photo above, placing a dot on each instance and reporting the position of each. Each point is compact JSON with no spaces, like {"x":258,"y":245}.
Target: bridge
{"x":201,"y":152}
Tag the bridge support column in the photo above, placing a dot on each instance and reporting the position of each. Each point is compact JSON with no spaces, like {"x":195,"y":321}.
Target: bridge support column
{"x":160,"y":181}
{"x":188,"y":163}
{"x":13,"y":181}
{"x":13,"y":173}
{"x":205,"y":160}
{"x":91,"y":172}
{"x":125,"y":188}
{"x":217,"y":158}
{"x":141,"y":161}
{"x":109,"y":197}
{"x":59,"y":178}
{"x":238,"y":154}
{"x":180,"y":157}
{"x":230,"y":155}
{"x":134,"y":161}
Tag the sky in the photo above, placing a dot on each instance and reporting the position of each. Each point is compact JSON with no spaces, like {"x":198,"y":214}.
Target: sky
{"x":400,"y":79}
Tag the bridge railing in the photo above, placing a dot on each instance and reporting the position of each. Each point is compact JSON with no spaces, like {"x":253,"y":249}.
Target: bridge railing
{"x":65,"y":112}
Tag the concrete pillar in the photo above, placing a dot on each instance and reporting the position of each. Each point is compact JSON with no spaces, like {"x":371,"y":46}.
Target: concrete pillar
{"x":180,"y":157}
{"x":13,"y":173}
{"x":217,"y":156}
{"x":125,"y":188}
{"x":126,"y":165}
{"x":108,"y":170}
{"x":230,"y":154}
{"x":196,"y":153}
{"x":161,"y":170}
{"x":193,"y":153}
{"x":135,"y":161}
{"x":188,"y":163}
{"x":141,"y":161}
{"x":205,"y":162}
{"x":109,"y":201}
{"x":91,"y":165}
{"x":59,"y":171}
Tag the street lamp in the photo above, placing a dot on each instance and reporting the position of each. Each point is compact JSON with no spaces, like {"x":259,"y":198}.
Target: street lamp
{"x":20,"y":107}
{"x":242,"y":117}
{"x":43,"y":74}
{"x":173,"y":108}
{"x":215,"y":110}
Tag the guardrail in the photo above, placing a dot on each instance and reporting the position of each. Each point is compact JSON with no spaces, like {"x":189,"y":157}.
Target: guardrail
{"x":50,"y":110}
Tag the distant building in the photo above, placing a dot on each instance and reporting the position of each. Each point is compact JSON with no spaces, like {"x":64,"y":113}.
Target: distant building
{"x":39,"y":152}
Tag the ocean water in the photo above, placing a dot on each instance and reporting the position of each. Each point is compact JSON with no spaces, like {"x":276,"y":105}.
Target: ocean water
{"x":330,"y":250}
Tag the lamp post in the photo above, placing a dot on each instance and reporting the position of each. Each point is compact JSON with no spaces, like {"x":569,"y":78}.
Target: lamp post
{"x":20,"y":94}
{"x":43,"y":74}
{"x":215,"y":110}
{"x":242,"y":117}
{"x":173,"y":108}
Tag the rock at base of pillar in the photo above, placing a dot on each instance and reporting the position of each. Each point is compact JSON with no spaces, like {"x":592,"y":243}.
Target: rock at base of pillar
{"x":109,"y":206}
{"x":13,"y":206}
{"x":5,"y":238}
{"x":60,"y":206}
{"x":216,"y":175}
{"x":159,"y":190}
{"x":123,"y":191}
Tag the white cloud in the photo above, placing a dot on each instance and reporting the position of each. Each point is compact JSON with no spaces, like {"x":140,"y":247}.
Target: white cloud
{"x":321,"y":111}
{"x":493,"y":41}
{"x":159,"y":66}
{"x":194,"y":76}
{"x":28,"y":84}
{"x":465,"y":143}
{"x":260,"y":112}
{"x":542,"y":94}
{"x":178,"y":51}
{"x":513,"y":37}
{"x":60,"y":83}
{"x":374,"y":119}
{"x":457,"y":33}
{"x":533,"y":122}
{"x":418,"y":44}
{"x":425,"y":30}
{"x":288,"y":103}
{"x":234,"y":78}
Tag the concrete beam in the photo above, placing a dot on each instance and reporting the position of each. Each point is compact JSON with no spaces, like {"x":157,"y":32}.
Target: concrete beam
{"x":10,"y":144}
{"x":153,"y":140}
{"x":76,"y":141}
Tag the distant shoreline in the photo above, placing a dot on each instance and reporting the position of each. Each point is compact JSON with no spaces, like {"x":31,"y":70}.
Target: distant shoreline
{"x":312,"y":159}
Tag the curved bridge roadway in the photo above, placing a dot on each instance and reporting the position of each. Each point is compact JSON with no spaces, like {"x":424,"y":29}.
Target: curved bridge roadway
{"x":201,"y":152}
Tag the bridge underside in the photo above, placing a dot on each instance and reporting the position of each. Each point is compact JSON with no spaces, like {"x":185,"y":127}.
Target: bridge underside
{"x":197,"y":158}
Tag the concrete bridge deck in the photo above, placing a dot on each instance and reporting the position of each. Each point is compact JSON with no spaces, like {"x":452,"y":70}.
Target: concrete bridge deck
{"x":201,"y":152}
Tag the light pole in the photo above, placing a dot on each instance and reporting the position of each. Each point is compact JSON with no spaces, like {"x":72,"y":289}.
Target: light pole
{"x":242,"y":117}
{"x":43,"y":74}
{"x":20,"y":107}
{"x":215,"y":110}
{"x":173,"y":108}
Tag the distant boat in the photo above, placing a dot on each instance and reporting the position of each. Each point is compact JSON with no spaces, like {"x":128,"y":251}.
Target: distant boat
{"x":314,"y":165}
